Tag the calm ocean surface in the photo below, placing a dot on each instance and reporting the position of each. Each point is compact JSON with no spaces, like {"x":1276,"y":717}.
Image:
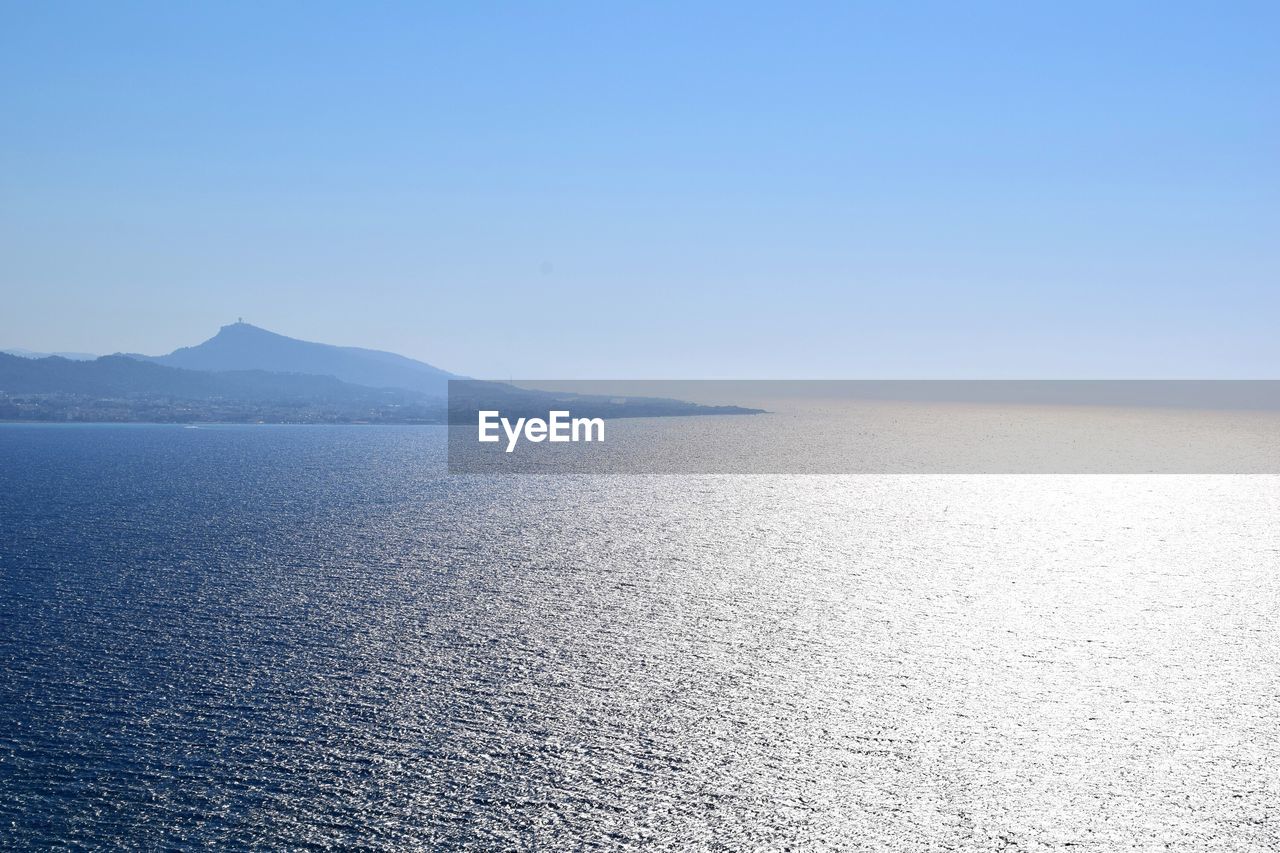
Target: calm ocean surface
{"x":311,"y":637}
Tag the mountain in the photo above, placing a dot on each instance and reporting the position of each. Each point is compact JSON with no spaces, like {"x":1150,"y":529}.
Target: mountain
{"x":122,"y":376}
{"x":120,"y":388}
{"x":124,"y":388}
{"x":26,"y":353}
{"x":241,"y":346}
{"x":244,"y":373}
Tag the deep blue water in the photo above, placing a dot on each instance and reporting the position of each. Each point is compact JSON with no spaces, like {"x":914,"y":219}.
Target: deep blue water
{"x":311,"y":637}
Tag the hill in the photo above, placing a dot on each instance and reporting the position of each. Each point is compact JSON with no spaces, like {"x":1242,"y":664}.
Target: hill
{"x":241,"y":346}
{"x":116,"y":375}
{"x":26,"y":353}
{"x":244,"y":373}
{"x":119,"y":388}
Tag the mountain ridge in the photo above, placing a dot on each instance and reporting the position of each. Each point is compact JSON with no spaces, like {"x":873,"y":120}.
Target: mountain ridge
{"x":242,"y":346}
{"x":121,"y":388}
{"x":70,"y":356}
{"x":124,"y":375}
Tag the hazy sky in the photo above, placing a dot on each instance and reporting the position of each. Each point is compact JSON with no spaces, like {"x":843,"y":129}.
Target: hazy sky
{"x":653,"y":190}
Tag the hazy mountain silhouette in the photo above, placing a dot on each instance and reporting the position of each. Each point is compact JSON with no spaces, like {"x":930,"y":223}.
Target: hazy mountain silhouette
{"x":26,"y":353}
{"x":241,"y":346}
{"x":125,"y":388}
{"x":247,"y":373}
{"x":117,"y":375}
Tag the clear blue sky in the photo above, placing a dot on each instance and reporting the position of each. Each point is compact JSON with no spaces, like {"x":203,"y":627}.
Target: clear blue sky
{"x":652,"y":189}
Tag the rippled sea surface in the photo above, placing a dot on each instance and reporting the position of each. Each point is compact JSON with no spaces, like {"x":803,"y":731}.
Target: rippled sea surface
{"x":312,"y":637}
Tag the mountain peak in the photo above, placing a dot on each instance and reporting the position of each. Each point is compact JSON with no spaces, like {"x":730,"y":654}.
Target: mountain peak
{"x":240,"y":327}
{"x":243,"y":346}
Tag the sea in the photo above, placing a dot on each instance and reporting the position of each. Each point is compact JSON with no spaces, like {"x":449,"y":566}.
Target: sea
{"x":316,"y":638}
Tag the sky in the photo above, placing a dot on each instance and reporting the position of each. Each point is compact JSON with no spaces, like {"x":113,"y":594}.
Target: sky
{"x":653,"y":190}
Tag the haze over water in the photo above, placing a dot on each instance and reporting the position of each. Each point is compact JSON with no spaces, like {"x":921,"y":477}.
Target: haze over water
{"x":294,"y":636}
